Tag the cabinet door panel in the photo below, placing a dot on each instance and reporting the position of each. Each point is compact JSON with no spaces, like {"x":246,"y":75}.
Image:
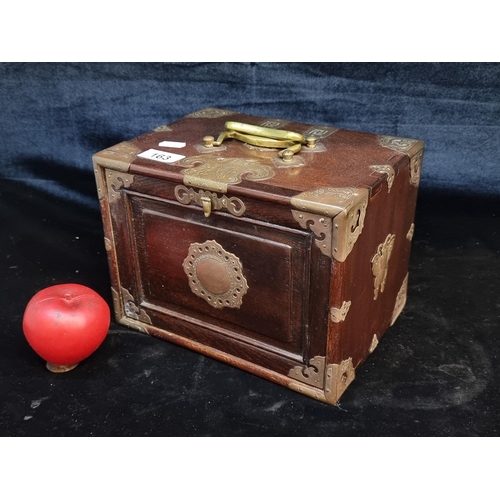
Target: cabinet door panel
{"x":247,"y":277}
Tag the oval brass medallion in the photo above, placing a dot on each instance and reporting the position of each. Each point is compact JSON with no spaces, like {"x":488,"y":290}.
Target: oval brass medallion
{"x":215,"y":275}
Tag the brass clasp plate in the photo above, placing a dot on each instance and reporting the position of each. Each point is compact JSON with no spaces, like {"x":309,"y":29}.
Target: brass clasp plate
{"x":216,"y":173}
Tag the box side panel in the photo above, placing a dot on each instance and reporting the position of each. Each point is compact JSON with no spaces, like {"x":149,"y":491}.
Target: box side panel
{"x":374,"y":276}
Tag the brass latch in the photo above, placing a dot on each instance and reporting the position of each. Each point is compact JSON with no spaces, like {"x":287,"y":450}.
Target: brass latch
{"x":206,"y":203}
{"x":209,"y":201}
{"x":290,"y":142}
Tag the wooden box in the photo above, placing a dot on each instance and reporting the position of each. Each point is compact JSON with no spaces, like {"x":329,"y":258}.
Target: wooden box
{"x":282,"y":253}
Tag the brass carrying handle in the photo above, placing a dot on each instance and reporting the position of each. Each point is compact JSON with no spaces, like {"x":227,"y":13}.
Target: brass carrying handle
{"x":289,"y":142}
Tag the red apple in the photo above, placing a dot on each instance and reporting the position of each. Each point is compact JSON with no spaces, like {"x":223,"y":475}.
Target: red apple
{"x":64,"y":324}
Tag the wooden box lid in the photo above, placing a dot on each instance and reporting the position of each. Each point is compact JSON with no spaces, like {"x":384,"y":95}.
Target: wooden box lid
{"x":340,"y":159}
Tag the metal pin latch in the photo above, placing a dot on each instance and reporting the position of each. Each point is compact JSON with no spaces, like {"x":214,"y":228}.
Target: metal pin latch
{"x":207,"y":205}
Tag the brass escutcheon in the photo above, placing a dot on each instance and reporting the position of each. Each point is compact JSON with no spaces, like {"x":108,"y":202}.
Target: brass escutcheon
{"x":215,"y":275}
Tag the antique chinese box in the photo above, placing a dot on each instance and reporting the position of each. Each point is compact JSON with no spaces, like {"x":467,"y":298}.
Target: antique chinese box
{"x":280,"y":248}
